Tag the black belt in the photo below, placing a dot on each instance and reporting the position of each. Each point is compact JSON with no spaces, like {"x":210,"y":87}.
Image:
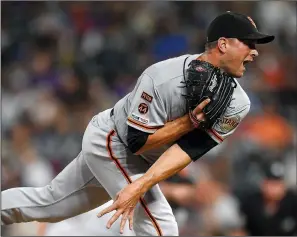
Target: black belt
{"x":111,"y":113}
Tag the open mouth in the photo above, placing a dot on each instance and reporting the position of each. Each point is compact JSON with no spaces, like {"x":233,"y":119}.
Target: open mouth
{"x":246,"y":62}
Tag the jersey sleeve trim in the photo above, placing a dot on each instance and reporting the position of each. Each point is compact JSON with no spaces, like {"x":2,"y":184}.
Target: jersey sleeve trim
{"x":138,"y":124}
{"x":215,"y":135}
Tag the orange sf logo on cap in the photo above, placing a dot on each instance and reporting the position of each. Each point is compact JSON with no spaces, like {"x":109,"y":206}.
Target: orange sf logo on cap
{"x":251,"y":20}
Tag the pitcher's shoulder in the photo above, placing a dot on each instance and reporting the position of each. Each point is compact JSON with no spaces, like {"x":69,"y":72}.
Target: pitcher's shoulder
{"x":163,"y":71}
{"x":241,"y":94}
{"x":240,"y":100}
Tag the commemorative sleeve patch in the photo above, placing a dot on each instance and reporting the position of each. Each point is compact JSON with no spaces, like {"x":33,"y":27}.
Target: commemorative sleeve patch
{"x":146,"y":97}
{"x":143,"y":108}
{"x":227,"y":124}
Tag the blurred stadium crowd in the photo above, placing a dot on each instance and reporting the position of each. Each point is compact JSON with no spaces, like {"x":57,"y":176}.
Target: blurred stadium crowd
{"x":63,"y":62}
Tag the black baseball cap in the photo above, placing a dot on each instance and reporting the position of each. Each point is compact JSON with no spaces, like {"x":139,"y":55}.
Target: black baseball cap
{"x":235,"y":25}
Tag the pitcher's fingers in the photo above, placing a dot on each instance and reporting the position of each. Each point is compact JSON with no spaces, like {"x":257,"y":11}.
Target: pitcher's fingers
{"x":201,"y":116}
{"x":200,"y":107}
{"x":114,"y":218}
{"x":108,"y":209}
{"x":123,"y":221}
{"x":130,"y":218}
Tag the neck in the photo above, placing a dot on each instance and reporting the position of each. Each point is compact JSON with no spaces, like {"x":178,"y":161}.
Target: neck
{"x":211,"y":57}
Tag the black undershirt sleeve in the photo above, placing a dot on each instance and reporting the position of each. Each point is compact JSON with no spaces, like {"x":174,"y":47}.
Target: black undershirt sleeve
{"x":136,"y":139}
{"x":196,"y":143}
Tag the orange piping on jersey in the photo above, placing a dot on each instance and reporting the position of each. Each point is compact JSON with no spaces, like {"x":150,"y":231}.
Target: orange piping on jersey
{"x":128,"y":179}
{"x":216,"y":135}
{"x":143,"y":126}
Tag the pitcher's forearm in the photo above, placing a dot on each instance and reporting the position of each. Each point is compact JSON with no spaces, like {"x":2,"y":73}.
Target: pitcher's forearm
{"x":171,"y":162}
{"x":171,"y":132}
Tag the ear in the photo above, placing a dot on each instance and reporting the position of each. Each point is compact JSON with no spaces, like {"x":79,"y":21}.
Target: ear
{"x":222,"y":44}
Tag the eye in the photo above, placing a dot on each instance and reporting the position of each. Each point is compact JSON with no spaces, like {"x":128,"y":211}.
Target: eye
{"x":250,"y":44}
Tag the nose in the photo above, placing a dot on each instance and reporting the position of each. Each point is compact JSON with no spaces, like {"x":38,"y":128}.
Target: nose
{"x":254,"y":53}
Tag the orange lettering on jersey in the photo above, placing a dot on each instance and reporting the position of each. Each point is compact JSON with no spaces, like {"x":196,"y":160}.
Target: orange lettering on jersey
{"x":228,"y":124}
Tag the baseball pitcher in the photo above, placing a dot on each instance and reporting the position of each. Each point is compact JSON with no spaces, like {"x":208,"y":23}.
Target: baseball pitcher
{"x":179,"y":109}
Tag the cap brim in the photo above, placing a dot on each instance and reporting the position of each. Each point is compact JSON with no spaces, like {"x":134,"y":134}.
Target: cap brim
{"x":260,"y":38}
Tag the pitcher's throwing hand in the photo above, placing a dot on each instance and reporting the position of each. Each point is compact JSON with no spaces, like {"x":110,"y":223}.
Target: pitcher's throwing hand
{"x":124,"y":204}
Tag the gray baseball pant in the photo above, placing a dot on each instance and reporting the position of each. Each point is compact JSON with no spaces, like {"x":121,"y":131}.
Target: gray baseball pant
{"x":100,"y":171}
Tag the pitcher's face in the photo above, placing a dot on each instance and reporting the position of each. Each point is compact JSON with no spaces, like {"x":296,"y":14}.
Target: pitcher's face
{"x":236,"y":54}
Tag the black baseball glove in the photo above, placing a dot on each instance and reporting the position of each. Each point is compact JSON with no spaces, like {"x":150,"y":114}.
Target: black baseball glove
{"x":202,"y":80}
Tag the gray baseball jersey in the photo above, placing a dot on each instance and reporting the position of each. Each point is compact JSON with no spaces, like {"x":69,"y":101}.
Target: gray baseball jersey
{"x":105,"y":165}
{"x":157,"y":98}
